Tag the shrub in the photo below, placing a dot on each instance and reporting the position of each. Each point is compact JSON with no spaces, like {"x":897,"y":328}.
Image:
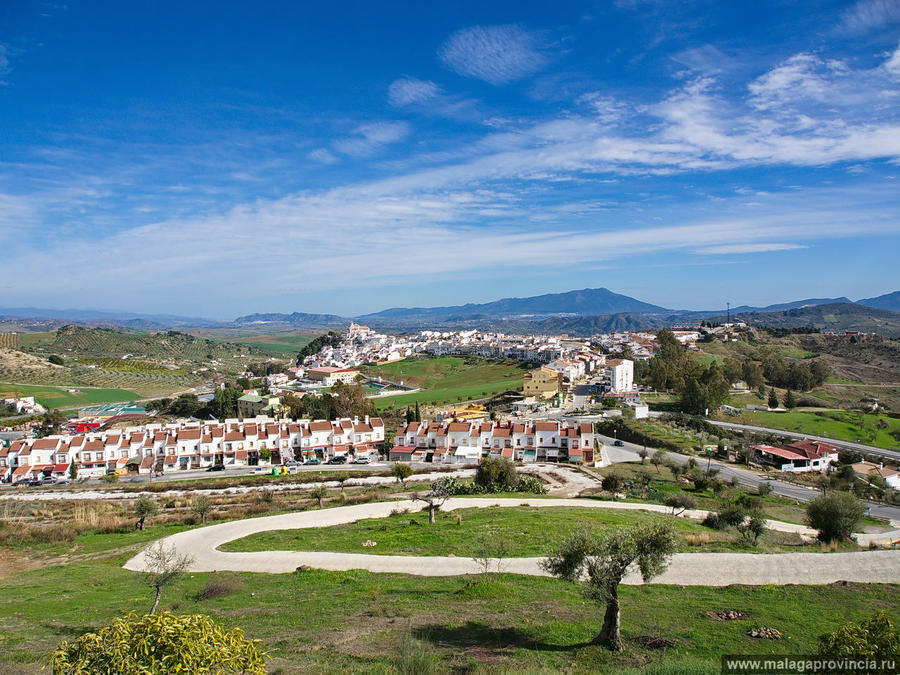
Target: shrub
{"x":764,"y":489}
{"x":713,"y":521}
{"x":611,"y":483}
{"x":160,"y":643}
{"x":496,"y":475}
{"x":219,"y":586}
{"x":834,"y":515}
{"x":875,"y":638}
{"x":531,"y":484}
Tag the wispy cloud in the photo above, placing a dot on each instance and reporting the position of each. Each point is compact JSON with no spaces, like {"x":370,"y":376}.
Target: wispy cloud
{"x":496,"y":54}
{"x":369,"y":138}
{"x":729,"y":249}
{"x":322,"y":155}
{"x":407,"y":90}
{"x":867,"y":15}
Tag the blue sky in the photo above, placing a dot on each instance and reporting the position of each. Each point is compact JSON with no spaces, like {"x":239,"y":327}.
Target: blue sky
{"x":217,"y":158}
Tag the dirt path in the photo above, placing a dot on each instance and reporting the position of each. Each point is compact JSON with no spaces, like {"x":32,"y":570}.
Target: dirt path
{"x":689,"y":569}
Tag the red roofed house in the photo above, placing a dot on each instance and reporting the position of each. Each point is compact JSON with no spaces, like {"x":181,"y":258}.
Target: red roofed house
{"x":798,"y":457}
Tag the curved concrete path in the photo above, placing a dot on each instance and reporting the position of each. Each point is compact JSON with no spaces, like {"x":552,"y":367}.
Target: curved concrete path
{"x":688,"y":569}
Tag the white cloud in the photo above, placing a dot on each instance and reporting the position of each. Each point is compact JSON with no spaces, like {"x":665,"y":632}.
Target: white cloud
{"x":892,"y":65}
{"x":322,"y":155}
{"x":409,"y":90}
{"x":706,"y":59}
{"x":746,"y":248}
{"x":866,"y":15}
{"x":495,"y":54}
{"x":369,"y":138}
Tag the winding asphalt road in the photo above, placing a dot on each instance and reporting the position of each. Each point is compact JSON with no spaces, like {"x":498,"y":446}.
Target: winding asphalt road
{"x":687,"y":569}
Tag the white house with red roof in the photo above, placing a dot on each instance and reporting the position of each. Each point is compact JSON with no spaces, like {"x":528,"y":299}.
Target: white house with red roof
{"x":801,"y":456}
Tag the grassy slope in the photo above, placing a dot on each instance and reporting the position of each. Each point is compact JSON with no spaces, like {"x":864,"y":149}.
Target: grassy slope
{"x":448,"y":378}
{"x":279,"y":345}
{"x":53,"y":397}
{"x":846,"y":426}
{"x":354,"y":620}
{"x":525,"y":531}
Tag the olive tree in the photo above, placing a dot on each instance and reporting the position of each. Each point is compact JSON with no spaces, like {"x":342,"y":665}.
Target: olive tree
{"x":144,"y":507}
{"x":603,"y":561}
{"x":159,"y":644}
{"x":401,"y":472}
{"x":434,"y":498}
{"x":162,"y":567}
{"x":834,"y":515}
{"x":202,"y":506}
{"x":319,"y":492}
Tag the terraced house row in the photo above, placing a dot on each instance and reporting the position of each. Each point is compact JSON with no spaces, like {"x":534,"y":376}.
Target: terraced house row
{"x":467,"y":442}
{"x":188,"y":445}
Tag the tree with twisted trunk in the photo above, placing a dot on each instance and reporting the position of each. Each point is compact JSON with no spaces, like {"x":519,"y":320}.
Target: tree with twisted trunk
{"x":435,"y":498}
{"x":600,"y":563}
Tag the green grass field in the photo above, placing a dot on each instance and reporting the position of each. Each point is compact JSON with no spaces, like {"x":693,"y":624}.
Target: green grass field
{"x":878,"y":430}
{"x":280,"y":345}
{"x":448,"y":379}
{"x":57,"y":397}
{"x":525,"y":532}
{"x":315,"y":621}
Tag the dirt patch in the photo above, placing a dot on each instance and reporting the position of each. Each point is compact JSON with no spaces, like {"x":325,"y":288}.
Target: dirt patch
{"x":652,"y":641}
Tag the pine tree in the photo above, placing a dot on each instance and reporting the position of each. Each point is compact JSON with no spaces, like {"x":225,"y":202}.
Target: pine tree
{"x":418,"y":415}
{"x":773,"y":398}
{"x":789,"y":401}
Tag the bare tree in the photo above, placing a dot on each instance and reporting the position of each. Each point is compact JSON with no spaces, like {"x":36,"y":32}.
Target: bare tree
{"x":435,"y":498}
{"x":162,"y":567}
{"x":603,"y":562}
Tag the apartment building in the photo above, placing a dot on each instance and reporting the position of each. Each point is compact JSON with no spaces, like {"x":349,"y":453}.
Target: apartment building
{"x":189,"y":445}
{"x":467,"y":442}
{"x":543,"y":382}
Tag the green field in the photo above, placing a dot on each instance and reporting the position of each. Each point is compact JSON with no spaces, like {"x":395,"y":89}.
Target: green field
{"x":279,"y":345}
{"x":525,"y":531}
{"x":52,"y":397}
{"x":448,"y":379}
{"x":315,"y":621}
{"x":878,"y":430}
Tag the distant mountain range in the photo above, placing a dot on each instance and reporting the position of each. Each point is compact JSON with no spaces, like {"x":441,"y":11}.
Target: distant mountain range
{"x":580,"y":312}
{"x":586,"y":302}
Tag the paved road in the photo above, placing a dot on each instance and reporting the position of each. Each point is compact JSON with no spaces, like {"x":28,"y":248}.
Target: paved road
{"x":688,"y":569}
{"x":881,"y":452}
{"x":628,"y":453}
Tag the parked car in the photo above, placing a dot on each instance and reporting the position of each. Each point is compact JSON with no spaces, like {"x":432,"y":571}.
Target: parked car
{"x":312,"y":461}
{"x":292,"y":462}
{"x":216,"y":467}
{"x":34,"y":482}
{"x":618,"y":443}
{"x":338,"y":459}
{"x":360,"y":460}
{"x":63,"y":482}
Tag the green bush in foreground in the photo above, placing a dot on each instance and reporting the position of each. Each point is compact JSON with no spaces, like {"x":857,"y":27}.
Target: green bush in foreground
{"x":877,"y":637}
{"x":160,"y":644}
